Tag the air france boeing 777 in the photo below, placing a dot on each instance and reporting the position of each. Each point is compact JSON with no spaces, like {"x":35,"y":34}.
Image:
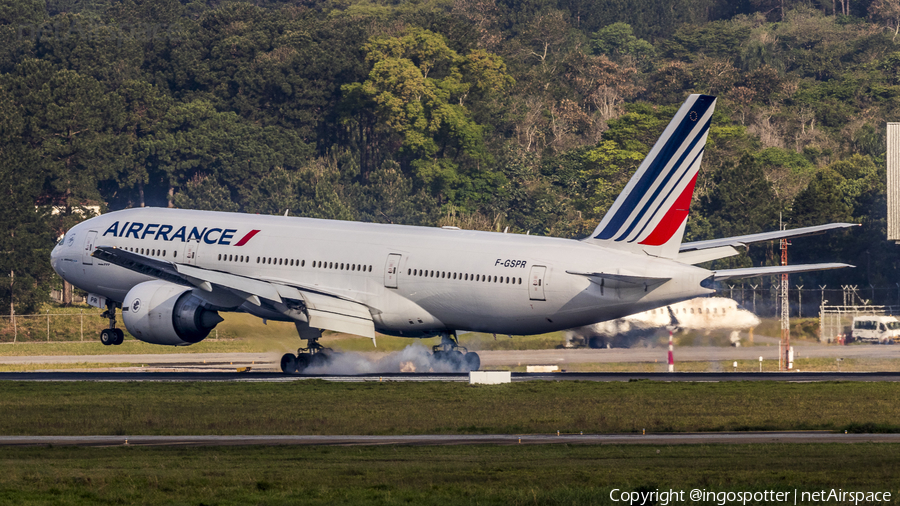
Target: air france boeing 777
{"x":172,"y":271}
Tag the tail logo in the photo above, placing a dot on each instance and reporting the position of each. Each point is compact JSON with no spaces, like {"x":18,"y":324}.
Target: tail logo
{"x":655,"y":203}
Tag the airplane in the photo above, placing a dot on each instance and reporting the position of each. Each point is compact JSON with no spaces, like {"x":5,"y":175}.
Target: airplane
{"x":172,"y":271}
{"x":705,"y":314}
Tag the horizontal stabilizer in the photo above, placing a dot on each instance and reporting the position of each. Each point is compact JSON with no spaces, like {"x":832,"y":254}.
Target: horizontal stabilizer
{"x":752,"y":272}
{"x":743,"y":240}
{"x":621,"y":280}
{"x":697,"y":252}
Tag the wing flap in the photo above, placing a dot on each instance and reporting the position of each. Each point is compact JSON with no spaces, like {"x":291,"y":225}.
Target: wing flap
{"x":339,"y":315}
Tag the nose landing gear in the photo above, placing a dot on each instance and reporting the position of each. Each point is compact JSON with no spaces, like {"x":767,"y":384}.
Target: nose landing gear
{"x":112,"y":335}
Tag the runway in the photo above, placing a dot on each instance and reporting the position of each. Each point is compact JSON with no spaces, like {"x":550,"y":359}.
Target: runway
{"x":448,"y":440}
{"x":208,"y":376}
{"x":562,"y":358}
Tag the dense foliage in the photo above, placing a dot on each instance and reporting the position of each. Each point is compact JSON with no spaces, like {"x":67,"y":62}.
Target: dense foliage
{"x":478,"y":113}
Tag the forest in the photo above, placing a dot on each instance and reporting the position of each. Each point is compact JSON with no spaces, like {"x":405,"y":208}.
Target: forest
{"x":482,"y":114}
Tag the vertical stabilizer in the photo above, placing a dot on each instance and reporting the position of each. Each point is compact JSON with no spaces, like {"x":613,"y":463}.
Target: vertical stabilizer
{"x":651,"y":213}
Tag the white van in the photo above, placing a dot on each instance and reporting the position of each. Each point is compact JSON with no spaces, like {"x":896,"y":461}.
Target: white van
{"x":876,"y":329}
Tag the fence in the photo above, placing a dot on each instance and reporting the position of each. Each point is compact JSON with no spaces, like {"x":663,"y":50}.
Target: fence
{"x":835,"y":320}
{"x":805,"y":301}
{"x":52,"y":327}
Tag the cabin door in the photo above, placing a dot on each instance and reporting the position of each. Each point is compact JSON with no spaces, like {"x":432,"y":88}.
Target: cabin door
{"x":392,"y":270}
{"x":536,"y":285}
{"x":89,"y":241}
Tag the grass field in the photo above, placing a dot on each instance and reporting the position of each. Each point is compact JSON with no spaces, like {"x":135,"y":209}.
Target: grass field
{"x":319,"y":407}
{"x":444,"y":476}
{"x":239,"y":333}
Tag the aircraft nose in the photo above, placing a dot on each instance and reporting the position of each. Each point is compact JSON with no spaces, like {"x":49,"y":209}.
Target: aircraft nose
{"x":56,"y":255}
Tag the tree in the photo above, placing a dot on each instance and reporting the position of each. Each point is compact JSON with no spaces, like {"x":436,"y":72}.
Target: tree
{"x":617,"y":41}
{"x":887,"y":13}
{"x":413,"y":105}
{"x":27,"y":237}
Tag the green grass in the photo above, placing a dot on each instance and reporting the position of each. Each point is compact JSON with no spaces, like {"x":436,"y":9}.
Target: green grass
{"x":56,"y":367}
{"x":320,"y":407}
{"x":444,"y":476}
{"x":239,"y":333}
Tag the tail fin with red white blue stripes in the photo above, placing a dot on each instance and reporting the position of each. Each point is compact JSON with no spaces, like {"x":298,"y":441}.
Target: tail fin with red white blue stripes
{"x":651,"y":213}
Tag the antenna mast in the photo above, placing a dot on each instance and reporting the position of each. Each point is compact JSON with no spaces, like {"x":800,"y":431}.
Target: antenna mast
{"x":785,"y":361}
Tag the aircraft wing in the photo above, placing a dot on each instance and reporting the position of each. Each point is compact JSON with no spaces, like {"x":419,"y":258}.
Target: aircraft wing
{"x":751,"y":272}
{"x":703,"y":251}
{"x":321,"y":309}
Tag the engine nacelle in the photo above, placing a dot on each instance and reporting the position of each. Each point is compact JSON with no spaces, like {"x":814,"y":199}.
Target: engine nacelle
{"x":158,"y":312}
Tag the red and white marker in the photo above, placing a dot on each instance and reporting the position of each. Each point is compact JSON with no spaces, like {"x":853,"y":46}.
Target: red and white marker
{"x":671,"y":355}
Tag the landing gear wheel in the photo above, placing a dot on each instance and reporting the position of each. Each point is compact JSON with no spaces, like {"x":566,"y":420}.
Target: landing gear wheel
{"x":449,"y":353}
{"x":455,"y":358}
{"x":473,"y":361}
{"x":108,"y":337}
{"x":288,"y":363}
{"x":319,"y":359}
{"x":111,"y":335}
{"x":596,"y":342}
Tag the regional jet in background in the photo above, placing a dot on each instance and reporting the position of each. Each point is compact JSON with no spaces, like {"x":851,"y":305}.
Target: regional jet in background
{"x":710,"y":316}
{"x":173,"y":271}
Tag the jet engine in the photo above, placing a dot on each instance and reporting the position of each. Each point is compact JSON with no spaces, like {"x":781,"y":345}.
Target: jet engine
{"x":158,"y":312}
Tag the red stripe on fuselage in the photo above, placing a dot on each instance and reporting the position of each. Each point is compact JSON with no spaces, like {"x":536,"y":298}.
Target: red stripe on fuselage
{"x":247,"y":237}
{"x":673,"y":219}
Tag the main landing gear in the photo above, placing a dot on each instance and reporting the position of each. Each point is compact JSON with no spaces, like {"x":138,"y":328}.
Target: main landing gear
{"x":312,"y":356}
{"x":111,"y":335}
{"x":451,"y":353}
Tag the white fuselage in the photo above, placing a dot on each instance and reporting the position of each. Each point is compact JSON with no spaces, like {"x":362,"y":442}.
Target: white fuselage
{"x":415,"y":280}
